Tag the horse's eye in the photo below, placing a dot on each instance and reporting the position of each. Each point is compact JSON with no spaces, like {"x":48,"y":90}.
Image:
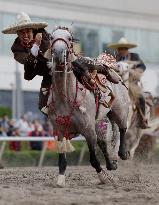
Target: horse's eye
{"x":69,"y":39}
{"x":51,"y":38}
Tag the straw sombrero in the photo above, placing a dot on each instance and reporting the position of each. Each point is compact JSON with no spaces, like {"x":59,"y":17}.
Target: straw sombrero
{"x":122,"y":43}
{"x":23,"y":21}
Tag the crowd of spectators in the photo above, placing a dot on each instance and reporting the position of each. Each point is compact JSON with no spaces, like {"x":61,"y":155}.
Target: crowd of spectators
{"x":23,"y":127}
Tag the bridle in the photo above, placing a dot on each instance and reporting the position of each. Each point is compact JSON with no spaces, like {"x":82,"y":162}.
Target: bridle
{"x":61,"y":39}
{"x":65,"y":70}
{"x":69,"y":51}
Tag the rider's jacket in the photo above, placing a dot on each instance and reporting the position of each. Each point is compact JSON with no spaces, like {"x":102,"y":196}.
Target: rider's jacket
{"x":32,"y":65}
{"x":132,"y":57}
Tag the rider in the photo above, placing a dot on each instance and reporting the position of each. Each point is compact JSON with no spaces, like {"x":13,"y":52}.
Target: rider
{"x":122,"y":47}
{"x":28,"y":48}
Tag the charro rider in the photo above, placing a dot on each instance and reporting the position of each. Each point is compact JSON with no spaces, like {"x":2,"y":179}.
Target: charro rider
{"x":28,"y":48}
{"x":135,"y":90}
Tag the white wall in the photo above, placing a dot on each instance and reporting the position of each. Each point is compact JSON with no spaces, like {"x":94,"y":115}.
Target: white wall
{"x":150,"y":80}
{"x":130,"y":13}
{"x":7,"y":76}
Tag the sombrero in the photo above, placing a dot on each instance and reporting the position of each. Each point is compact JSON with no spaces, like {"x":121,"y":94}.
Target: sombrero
{"x":23,"y":21}
{"x":122,"y":43}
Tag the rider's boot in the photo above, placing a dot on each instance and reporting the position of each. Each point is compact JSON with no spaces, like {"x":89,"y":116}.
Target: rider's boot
{"x":44,"y":94}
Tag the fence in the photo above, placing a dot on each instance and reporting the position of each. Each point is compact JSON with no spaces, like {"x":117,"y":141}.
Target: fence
{"x":29,"y":139}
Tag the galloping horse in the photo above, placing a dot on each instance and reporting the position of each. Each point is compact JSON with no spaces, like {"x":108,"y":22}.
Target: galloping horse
{"x":72,"y":108}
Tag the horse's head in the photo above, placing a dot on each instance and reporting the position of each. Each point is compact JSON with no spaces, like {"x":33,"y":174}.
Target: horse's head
{"x":61,"y":45}
{"x":122,"y":67}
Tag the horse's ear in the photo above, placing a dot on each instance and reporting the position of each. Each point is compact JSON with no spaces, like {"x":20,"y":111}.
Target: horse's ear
{"x":76,"y":40}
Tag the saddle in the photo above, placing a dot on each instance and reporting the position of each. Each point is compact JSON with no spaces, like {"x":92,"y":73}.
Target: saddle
{"x":99,"y":85}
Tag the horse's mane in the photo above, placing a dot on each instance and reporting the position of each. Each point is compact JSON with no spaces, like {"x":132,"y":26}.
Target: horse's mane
{"x":66,"y":29}
{"x":63,"y":28}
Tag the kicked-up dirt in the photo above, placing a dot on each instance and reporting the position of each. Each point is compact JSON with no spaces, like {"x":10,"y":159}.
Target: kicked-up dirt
{"x":136,"y":184}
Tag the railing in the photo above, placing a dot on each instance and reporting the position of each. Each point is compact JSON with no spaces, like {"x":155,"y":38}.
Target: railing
{"x":17,"y":138}
{"x":29,"y":139}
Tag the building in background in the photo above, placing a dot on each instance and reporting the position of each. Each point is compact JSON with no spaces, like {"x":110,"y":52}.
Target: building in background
{"x":95,"y":23}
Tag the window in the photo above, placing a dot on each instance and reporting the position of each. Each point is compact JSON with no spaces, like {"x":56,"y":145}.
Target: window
{"x":5,"y":98}
{"x":89,"y":41}
{"x":116,"y":35}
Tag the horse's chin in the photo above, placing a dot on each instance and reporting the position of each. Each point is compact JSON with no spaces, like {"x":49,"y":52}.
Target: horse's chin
{"x":60,"y":66}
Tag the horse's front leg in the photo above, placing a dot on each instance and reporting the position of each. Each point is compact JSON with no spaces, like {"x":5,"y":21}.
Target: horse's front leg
{"x":62,"y":163}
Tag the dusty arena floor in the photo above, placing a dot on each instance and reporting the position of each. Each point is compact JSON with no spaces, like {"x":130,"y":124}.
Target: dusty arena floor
{"x":135,"y":184}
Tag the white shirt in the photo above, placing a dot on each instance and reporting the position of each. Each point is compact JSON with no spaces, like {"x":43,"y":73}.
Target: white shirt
{"x":35,"y":50}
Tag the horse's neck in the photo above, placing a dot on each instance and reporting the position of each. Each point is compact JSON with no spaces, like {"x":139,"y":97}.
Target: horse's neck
{"x":125,"y":78}
{"x":64,"y":85}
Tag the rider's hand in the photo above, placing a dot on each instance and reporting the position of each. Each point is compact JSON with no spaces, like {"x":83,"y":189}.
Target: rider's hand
{"x":38,"y":39}
{"x":73,"y":57}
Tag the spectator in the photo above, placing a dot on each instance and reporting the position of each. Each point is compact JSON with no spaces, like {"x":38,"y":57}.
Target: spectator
{"x":4,"y":122}
{"x":38,"y":131}
{"x":11,"y":127}
{"x":23,"y":125}
{"x":2,"y":132}
{"x":14,"y":145}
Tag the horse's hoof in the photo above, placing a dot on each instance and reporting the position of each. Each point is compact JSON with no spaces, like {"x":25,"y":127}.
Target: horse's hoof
{"x":104,"y":177}
{"x":112,"y":166}
{"x":61,"y":181}
{"x":124,"y":155}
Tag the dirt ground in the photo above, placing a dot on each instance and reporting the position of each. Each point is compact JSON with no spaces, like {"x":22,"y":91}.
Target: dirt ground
{"x":136,"y":184}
